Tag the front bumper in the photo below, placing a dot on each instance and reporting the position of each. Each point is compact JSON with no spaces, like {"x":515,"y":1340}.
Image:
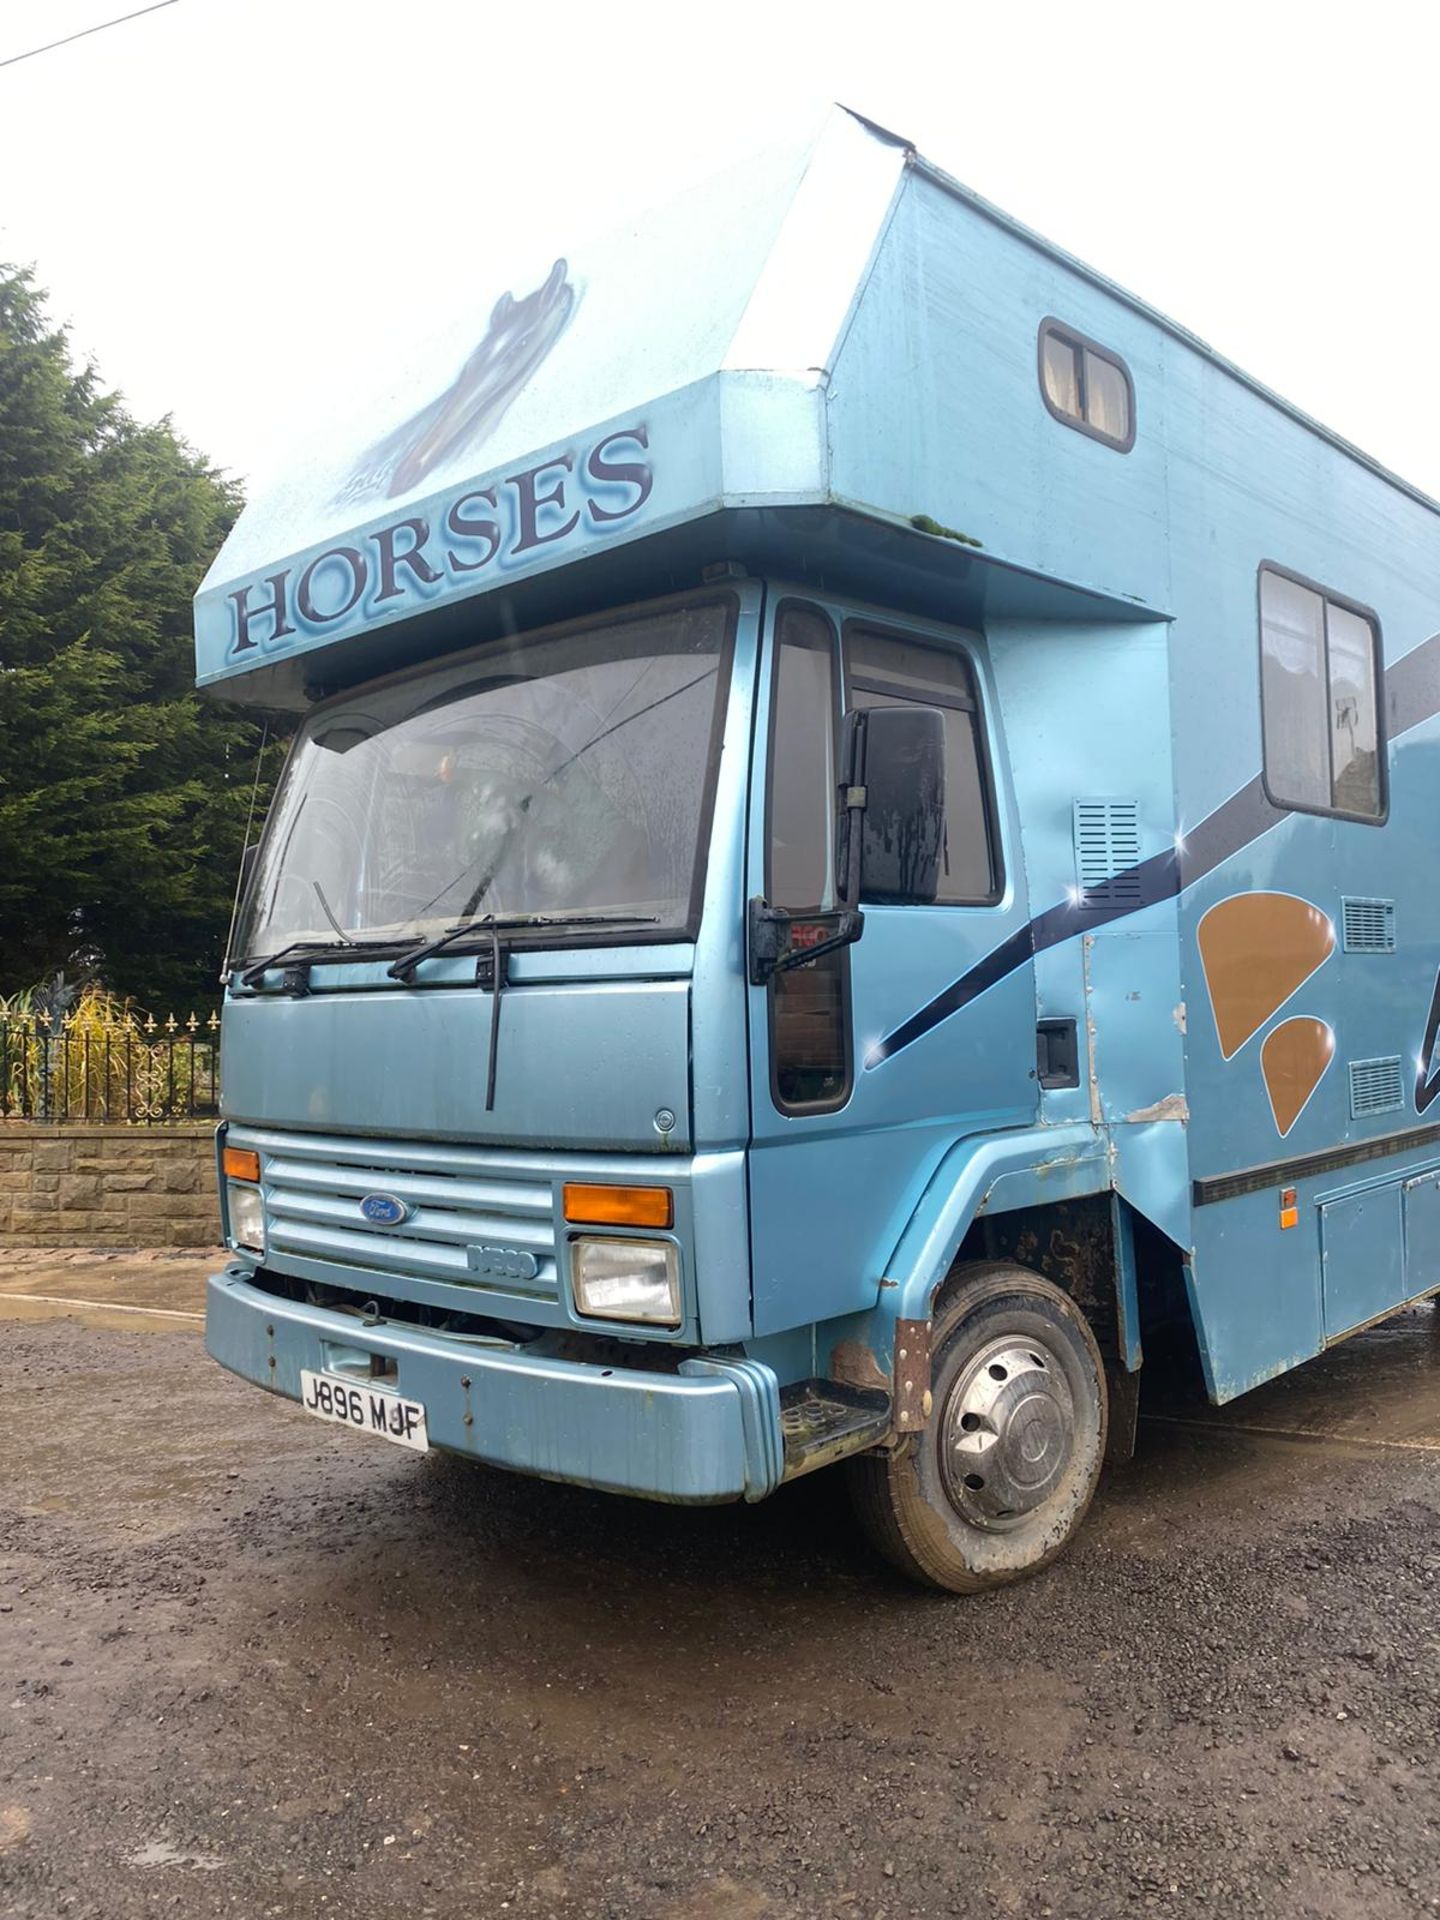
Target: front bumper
{"x":709,"y":1432}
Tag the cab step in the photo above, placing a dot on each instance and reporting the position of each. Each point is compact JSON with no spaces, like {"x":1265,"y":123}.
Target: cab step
{"x":821,"y":1421}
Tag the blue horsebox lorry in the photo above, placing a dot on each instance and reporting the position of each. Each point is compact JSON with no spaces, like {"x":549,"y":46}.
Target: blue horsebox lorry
{"x":859,"y":842}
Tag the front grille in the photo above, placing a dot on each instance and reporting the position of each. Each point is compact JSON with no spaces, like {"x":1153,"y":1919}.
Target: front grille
{"x":475,"y":1221}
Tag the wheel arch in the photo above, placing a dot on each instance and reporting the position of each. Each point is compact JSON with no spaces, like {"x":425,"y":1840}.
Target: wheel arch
{"x":1086,"y":1247}
{"x":1044,"y":1199}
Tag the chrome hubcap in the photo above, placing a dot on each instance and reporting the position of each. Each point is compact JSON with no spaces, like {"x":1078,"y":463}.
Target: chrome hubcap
{"x":1008,"y":1432}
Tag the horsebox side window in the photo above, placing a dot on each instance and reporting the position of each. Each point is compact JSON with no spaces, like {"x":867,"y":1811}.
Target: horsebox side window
{"x":886,"y":670}
{"x":1086,"y":386}
{"x":809,"y":1005}
{"x":1319,"y":697}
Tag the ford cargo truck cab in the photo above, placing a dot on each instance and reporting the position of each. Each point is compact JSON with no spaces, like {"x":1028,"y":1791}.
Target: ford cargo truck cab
{"x":750,"y":960}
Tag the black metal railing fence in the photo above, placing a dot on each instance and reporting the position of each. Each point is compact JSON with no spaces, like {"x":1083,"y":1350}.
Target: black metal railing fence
{"x":108,"y":1067}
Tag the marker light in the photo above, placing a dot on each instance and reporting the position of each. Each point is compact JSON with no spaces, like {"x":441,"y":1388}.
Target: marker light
{"x":241,"y":1163}
{"x":626,"y":1280}
{"x":619,"y":1206}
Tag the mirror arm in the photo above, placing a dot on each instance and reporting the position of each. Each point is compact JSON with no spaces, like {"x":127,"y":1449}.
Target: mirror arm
{"x":850,"y":924}
{"x":767,"y":939}
{"x":771,"y":932}
{"x":853,"y":797}
{"x":852,"y":804}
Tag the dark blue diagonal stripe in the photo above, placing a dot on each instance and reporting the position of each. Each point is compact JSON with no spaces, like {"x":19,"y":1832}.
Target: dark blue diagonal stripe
{"x":1412,"y":694}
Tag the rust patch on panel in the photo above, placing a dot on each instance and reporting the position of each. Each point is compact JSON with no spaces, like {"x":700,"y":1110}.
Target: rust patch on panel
{"x":1072,"y":1244}
{"x":1294,"y":1059}
{"x":1256,"y":949}
{"x":854,"y":1365}
{"x":912,"y":1375}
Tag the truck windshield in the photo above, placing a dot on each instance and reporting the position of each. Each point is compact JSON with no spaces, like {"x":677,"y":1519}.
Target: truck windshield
{"x":570,"y":774}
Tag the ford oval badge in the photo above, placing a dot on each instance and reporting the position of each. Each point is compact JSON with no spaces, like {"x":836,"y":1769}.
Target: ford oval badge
{"x":384,"y":1209}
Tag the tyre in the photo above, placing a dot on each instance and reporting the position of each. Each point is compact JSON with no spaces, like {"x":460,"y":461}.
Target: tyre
{"x":1001,"y":1478}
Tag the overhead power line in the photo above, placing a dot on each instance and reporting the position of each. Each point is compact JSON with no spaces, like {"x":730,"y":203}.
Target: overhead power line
{"x":14,"y":58}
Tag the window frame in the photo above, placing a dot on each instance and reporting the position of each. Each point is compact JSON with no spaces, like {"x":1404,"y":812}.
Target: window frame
{"x":892,"y":689}
{"x":1061,"y":330}
{"x":1371,"y":618}
{"x":841,"y":957}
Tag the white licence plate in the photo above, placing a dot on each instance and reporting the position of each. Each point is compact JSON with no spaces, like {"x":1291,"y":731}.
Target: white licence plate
{"x":367,"y":1409}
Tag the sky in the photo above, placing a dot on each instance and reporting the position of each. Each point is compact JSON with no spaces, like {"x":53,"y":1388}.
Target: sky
{"x":222,"y":195}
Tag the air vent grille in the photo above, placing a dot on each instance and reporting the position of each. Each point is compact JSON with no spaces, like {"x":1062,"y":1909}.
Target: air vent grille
{"x":1107,"y":852}
{"x":1376,"y":1086}
{"x":1369,"y":926}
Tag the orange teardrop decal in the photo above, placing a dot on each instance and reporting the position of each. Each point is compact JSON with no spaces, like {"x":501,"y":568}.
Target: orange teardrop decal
{"x":1293,"y":1060}
{"x":1256,"y":949}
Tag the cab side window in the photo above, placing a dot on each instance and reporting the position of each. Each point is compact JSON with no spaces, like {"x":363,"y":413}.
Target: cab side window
{"x":891,"y":670}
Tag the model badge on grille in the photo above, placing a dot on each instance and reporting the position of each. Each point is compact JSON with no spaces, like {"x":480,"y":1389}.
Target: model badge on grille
{"x":384,"y":1209}
{"x":502,"y":1263}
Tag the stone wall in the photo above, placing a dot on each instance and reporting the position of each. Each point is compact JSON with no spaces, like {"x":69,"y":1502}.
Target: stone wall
{"x":107,"y":1186}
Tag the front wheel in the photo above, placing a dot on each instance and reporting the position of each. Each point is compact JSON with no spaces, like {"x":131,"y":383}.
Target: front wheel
{"x":1001,"y":1478}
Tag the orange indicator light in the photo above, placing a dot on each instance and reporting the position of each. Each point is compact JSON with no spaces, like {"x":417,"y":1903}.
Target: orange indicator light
{"x":241,"y":1163}
{"x":1289,"y":1212}
{"x":619,"y":1206}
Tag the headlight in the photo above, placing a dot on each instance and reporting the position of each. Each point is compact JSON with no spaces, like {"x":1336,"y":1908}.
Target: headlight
{"x":247,"y":1215}
{"x":626,"y":1280}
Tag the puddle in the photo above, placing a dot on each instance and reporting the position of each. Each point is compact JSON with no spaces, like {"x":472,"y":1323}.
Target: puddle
{"x":160,"y":1853}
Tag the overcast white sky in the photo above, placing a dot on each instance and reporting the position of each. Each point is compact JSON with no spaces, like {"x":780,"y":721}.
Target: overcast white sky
{"x":217,"y":195}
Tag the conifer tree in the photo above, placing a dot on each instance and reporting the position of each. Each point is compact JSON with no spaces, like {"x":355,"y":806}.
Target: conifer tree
{"x":123,"y":797}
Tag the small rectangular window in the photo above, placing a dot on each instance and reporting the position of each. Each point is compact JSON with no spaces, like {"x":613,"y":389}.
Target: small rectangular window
{"x":1086,"y":386}
{"x":1060,"y":370}
{"x":1353,"y":711}
{"x":884,"y":670}
{"x":809,"y":1005}
{"x":1107,"y":397}
{"x":1297,"y":751}
{"x":1319,"y":697}
{"x":809,"y":1031}
{"x":802,"y":762}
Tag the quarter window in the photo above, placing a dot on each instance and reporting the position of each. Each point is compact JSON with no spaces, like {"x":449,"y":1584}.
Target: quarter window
{"x":802,"y":762}
{"x":809,"y":1005}
{"x":884,"y":670}
{"x":1319,"y":697}
{"x":1086,"y":386}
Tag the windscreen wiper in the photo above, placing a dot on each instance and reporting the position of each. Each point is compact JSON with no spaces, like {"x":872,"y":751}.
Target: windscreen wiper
{"x":306,"y":952}
{"x":402,"y":968}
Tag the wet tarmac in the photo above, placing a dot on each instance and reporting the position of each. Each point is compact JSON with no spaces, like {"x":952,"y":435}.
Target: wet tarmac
{"x":108,"y":1289}
{"x":253,"y":1665}
{"x":1379,"y":1389}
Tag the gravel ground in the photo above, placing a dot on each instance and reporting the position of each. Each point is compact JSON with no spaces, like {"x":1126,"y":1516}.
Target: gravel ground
{"x":253,"y":1665}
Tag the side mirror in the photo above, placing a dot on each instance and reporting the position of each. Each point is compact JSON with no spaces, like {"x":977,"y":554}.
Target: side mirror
{"x":896,"y":755}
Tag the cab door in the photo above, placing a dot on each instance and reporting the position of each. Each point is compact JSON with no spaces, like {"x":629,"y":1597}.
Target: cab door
{"x":861,"y":1074}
